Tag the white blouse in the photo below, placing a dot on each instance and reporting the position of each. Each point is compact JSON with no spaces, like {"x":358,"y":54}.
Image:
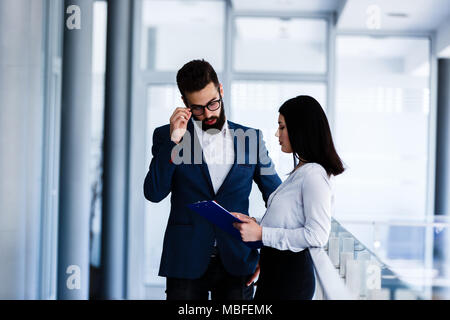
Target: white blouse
{"x":298,"y":214}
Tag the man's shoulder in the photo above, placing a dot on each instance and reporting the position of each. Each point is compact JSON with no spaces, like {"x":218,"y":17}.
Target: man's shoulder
{"x":235,"y":126}
{"x":162,"y":129}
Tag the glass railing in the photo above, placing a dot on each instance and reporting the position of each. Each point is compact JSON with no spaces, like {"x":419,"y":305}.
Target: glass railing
{"x":391,"y":260}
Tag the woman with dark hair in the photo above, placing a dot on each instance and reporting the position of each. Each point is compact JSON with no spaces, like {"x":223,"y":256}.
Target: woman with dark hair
{"x":298,"y":214}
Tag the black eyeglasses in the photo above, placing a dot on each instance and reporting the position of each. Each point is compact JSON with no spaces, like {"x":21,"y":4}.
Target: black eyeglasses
{"x":198,"y":110}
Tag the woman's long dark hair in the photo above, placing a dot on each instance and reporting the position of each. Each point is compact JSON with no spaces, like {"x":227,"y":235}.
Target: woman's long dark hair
{"x":309,"y":133}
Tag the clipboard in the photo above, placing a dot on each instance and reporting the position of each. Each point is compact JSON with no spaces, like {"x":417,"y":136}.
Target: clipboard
{"x":218,"y":215}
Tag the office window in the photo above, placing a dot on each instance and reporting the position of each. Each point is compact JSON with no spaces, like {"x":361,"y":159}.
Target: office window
{"x":161,"y":102}
{"x":174,"y":32}
{"x":382,"y":123}
{"x":255,"y":104}
{"x":280,"y":45}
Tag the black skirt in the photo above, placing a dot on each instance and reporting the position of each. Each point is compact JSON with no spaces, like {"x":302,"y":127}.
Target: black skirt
{"x":285,"y":275}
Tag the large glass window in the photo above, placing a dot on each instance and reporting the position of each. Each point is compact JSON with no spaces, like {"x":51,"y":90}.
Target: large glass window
{"x":255,"y":104}
{"x":175,"y":31}
{"x":161,"y":102}
{"x":381,"y":121}
{"x":280,"y":45}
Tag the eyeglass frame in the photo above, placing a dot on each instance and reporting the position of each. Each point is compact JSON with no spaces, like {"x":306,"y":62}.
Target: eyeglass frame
{"x":220,"y":100}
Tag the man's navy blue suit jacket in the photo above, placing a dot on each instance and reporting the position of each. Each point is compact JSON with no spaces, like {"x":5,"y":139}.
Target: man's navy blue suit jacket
{"x":189,"y":238}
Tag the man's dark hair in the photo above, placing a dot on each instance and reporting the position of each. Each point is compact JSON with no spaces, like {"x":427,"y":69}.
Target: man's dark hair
{"x":195,"y":75}
{"x":309,"y":133}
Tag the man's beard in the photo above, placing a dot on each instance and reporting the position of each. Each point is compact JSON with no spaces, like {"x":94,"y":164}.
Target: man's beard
{"x":217,"y":125}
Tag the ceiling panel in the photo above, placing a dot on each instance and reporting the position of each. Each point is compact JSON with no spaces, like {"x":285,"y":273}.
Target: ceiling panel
{"x":286,"y":5}
{"x":398,"y":15}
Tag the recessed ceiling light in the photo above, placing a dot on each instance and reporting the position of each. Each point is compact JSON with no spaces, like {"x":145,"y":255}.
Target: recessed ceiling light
{"x":397,"y":15}
{"x":285,"y":2}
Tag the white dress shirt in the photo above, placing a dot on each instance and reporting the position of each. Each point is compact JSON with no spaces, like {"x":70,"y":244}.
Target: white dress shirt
{"x":218,"y":151}
{"x":298,"y":214}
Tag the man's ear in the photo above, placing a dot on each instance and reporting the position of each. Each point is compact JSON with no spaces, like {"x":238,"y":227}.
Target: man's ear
{"x":221,"y":89}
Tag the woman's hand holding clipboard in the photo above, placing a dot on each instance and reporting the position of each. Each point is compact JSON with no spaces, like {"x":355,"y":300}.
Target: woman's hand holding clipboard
{"x":222,"y":218}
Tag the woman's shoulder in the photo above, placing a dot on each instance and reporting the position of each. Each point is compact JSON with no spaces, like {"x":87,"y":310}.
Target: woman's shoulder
{"x":313,"y":172}
{"x":312,"y":168}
